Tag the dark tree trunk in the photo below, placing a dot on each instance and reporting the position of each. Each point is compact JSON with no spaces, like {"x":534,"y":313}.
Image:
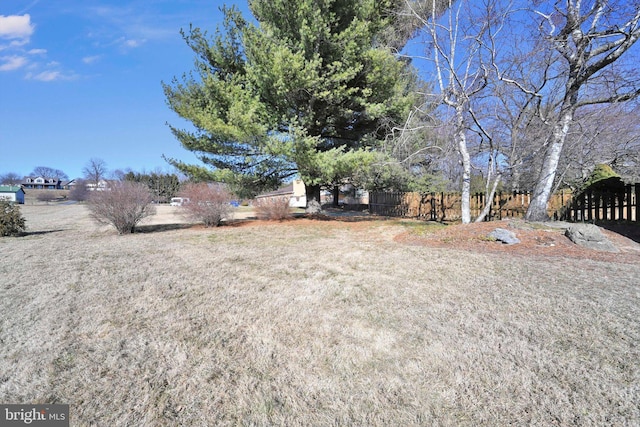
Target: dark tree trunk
{"x":336,"y":196}
{"x":313,"y":193}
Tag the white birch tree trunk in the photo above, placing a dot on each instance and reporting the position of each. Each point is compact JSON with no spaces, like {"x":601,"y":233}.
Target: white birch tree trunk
{"x":537,"y":210}
{"x":490,"y":195}
{"x":465,"y":160}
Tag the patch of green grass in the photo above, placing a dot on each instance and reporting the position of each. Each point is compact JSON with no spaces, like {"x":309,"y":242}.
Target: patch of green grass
{"x":421,"y":228}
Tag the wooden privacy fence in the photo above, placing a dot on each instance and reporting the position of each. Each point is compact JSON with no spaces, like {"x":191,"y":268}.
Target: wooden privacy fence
{"x":562,"y":205}
{"x":605,"y":205}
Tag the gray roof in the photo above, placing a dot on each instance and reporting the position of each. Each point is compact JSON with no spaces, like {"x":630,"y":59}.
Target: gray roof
{"x":284,"y":191}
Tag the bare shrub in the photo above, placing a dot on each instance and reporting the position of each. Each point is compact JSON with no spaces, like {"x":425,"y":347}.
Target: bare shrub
{"x":79,"y":192}
{"x":46,"y":196}
{"x":12,"y":223}
{"x":207,"y":203}
{"x":273,"y":208}
{"x":122,"y":204}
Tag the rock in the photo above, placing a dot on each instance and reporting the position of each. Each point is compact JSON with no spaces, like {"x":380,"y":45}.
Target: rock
{"x":504,"y":236}
{"x":313,"y":207}
{"x":589,"y":236}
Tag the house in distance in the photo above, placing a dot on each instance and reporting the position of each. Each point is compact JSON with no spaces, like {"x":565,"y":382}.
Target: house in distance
{"x":41,"y":183}
{"x":295,"y":191}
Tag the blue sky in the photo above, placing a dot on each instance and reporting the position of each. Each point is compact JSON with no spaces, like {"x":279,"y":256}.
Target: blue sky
{"x":81,"y":79}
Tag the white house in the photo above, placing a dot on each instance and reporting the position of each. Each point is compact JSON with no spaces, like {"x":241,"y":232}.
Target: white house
{"x":12,"y":193}
{"x":42,"y":183}
{"x":100,"y":186}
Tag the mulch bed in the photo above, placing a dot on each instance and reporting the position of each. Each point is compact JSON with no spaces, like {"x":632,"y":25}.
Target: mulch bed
{"x":538,"y":242}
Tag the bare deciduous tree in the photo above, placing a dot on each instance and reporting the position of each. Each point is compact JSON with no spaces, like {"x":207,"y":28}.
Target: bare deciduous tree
{"x":47,"y":172}
{"x":460,"y":57}
{"x":95,"y":171}
{"x":121,"y":174}
{"x":591,"y":37}
{"x":601,"y":134}
{"x":517,"y":117}
{"x":10,"y":178}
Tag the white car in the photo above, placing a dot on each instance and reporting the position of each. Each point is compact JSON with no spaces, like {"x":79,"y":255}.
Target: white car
{"x":179,"y":201}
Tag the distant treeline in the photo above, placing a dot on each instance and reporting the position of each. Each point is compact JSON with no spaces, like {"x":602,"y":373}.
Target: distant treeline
{"x":162,"y":186}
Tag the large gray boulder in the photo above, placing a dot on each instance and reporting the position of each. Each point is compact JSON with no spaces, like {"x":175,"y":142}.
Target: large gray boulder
{"x":313,"y":207}
{"x":505,"y":236}
{"x":589,"y":236}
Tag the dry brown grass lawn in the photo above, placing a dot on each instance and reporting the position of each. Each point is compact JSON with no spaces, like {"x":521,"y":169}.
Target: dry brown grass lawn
{"x":309,"y":322}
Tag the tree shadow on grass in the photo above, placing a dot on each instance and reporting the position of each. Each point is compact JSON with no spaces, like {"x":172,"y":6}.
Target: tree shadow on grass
{"x":346,"y":215}
{"x":159,"y":228}
{"x":323,"y":217}
{"x":628,"y":229}
{"x":41,"y":232}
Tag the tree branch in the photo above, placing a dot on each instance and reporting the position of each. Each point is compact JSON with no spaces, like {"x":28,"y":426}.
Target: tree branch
{"x":610,"y":100}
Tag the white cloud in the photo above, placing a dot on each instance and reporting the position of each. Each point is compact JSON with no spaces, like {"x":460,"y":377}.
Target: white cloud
{"x":10,"y":63}
{"x":33,"y":3}
{"x":18,"y":43}
{"x":91,"y":59}
{"x":131,"y":26}
{"x":47,"y":76}
{"x":126,"y":43}
{"x":17,"y":31}
{"x":16,"y":27}
{"x":50,"y":76}
{"x":133,"y":43}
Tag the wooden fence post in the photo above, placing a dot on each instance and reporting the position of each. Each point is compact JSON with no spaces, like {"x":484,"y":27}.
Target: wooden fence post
{"x":636,"y":197}
{"x":611,"y":206}
{"x":627,"y":191}
{"x":571,"y":213}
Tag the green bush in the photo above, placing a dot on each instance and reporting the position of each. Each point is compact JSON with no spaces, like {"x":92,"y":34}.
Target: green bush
{"x":603,"y":178}
{"x":12,"y":223}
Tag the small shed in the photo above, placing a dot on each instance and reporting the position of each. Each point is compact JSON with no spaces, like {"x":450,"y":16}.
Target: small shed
{"x":12,"y":193}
